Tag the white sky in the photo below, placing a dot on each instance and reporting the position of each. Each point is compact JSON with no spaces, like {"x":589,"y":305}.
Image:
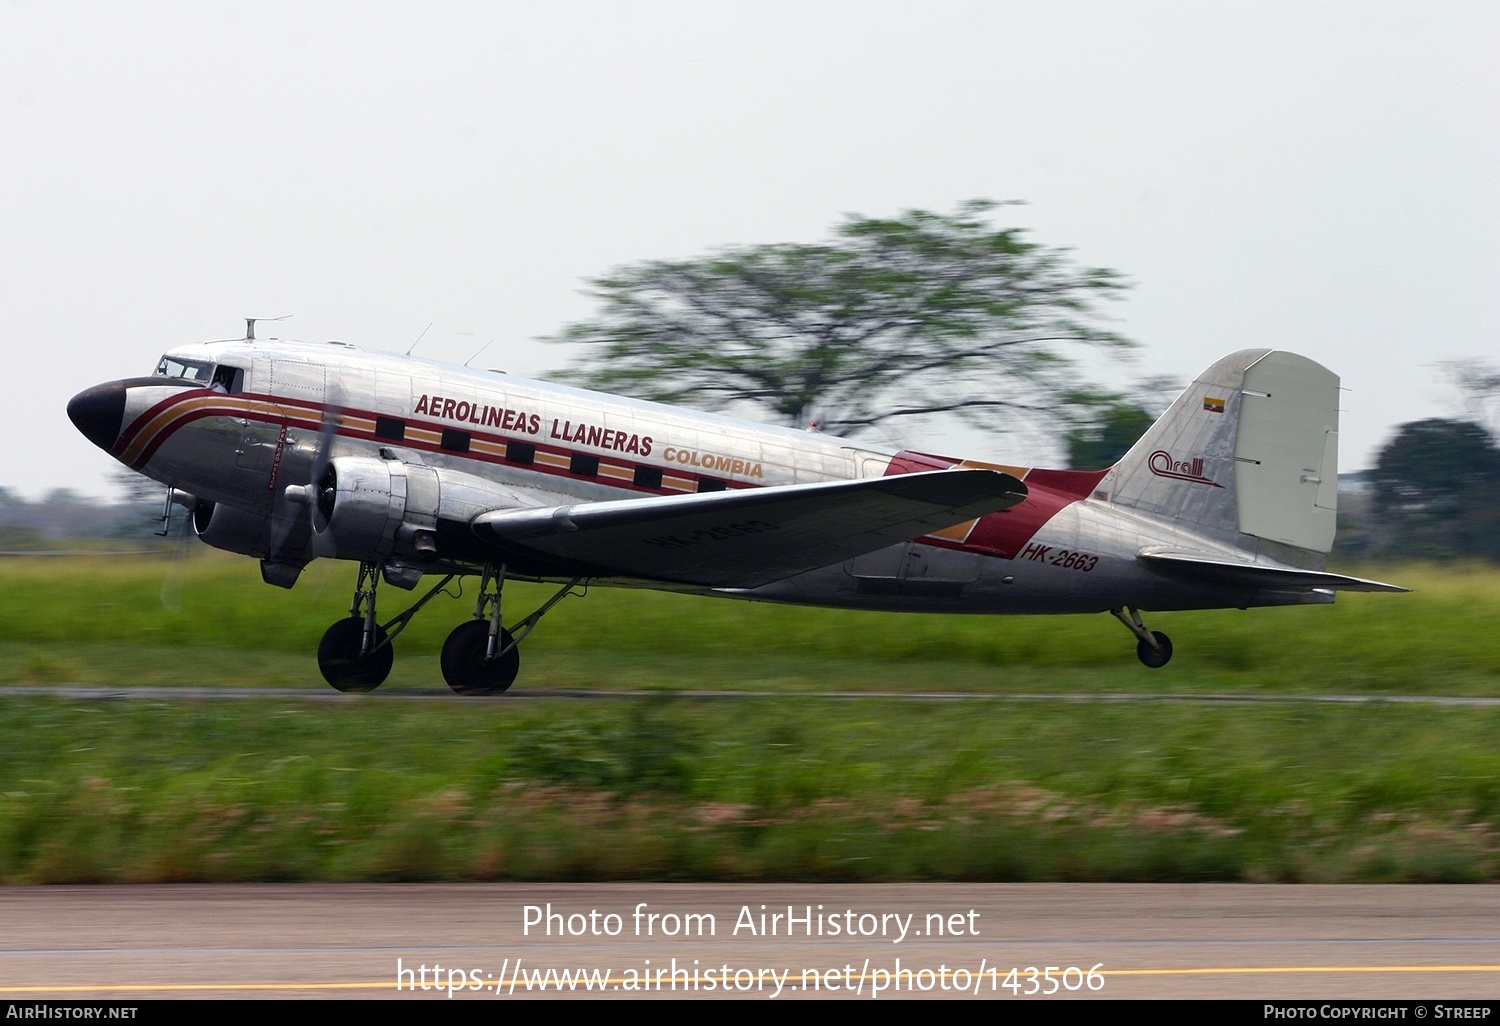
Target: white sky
{"x":1320,"y":177}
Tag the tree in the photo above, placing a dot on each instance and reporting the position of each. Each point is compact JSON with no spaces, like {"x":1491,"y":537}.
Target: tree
{"x":1434,"y":486}
{"x":1478,"y":385}
{"x":1107,"y":436}
{"x":1105,"y":430}
{"x":925,"y":313}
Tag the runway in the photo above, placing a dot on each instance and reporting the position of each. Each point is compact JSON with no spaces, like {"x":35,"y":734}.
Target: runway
{"x":95,"y":692}
{"x":762,"y":941}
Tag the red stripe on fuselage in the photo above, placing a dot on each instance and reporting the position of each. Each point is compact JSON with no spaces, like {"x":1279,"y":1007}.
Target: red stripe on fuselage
{"x":1007,"y":532}
{"x":222,"y":405}
{"x":135,"y":426}
{"x":302,"y":413}
{"x":1003,"y":534}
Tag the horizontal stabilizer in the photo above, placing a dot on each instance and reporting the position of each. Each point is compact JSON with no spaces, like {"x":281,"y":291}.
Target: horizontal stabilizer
{"x":1257,"y":575}
{"x":744,"y":538}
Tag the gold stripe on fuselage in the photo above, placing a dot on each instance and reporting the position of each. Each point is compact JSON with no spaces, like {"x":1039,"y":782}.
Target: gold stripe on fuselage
{"x":165,"y":418}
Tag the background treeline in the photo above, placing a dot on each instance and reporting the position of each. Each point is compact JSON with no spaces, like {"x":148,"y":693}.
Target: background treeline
{"x":1433,"y":494}
{"x":63,"y":518}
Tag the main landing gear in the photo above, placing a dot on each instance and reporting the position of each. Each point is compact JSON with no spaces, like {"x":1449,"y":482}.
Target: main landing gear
{"x":1154,"y":648}
{"x":480,"y":657}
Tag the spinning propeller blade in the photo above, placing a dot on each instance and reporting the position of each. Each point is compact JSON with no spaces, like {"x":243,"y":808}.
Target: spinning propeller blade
{"x":293,"y":499}
{"x":172,"y":580}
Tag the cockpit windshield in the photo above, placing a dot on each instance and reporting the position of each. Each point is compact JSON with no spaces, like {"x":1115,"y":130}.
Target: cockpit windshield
{"x":176,"y":367}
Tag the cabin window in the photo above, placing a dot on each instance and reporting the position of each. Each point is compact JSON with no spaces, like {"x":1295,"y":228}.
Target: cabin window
{"x":455,"y":440}
{"x":647,"y":477}
{"x":711,"y":484}
{"x":584,"y":466}
{"x":228,"y":379}
{"x":521,"y":452}
{"x":391,"y":429}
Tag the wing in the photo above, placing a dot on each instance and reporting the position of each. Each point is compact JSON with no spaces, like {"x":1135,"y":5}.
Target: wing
{"x":748,"y":537}
{"x":1257,"y":575}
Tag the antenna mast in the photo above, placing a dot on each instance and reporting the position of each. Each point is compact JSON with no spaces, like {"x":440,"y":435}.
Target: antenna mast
{"x":250,"y":325}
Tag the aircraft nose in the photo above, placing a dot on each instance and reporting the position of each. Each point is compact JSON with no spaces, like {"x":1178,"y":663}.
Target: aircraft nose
{"x":98,"y":413}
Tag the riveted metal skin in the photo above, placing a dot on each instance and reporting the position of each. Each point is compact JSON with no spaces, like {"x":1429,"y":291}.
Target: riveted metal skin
{"x":430,"y":465}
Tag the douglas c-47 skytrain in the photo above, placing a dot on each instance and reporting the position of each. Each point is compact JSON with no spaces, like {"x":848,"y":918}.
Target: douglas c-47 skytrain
{"x":286,"y":451}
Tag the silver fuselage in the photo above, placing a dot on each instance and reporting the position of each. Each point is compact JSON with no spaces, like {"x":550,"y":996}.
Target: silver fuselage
{"x":497,"y":441}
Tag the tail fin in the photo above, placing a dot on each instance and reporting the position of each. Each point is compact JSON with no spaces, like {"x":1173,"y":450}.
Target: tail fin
{"x":1249,"y":448}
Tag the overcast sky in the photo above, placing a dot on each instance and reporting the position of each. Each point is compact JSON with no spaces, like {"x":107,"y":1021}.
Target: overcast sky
{"x":1319,"y":177}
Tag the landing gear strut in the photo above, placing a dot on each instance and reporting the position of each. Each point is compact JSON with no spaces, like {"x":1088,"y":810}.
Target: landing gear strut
{"x":355,"y":653}
{"x":1154,"y":648}
{"x":481,"y":657}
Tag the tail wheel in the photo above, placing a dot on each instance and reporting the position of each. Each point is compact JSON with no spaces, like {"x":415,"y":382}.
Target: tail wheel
{"x":341,"y":663}
{"x":1150,"y":656}
{"x":465,"y":666}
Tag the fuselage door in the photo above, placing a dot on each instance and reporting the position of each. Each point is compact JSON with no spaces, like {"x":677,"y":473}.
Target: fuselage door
{"x":263,"y":431}
{"x":263,"y":440}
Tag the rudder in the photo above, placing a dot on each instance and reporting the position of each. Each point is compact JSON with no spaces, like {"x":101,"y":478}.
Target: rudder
{"x":1250,"y":447}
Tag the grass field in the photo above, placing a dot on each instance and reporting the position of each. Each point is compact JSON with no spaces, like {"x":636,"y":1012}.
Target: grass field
{"x":78,"y":621}
{"x":787,"y":787}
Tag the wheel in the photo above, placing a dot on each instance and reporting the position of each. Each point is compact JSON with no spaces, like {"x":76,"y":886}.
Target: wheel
{"x":339,"y":659}
{"x":466,"y":669}
{"x":1150,"y":656}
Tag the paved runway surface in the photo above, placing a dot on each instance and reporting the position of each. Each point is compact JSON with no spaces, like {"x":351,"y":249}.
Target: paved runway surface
{"x":1148,"y":941}
{"x":94,"y":692}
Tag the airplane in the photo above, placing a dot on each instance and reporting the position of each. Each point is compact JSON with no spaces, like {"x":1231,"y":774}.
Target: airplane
{"x":287,"y":451}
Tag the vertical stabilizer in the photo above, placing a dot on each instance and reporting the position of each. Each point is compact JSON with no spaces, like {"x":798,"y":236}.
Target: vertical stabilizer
{"x":1249,"y":448}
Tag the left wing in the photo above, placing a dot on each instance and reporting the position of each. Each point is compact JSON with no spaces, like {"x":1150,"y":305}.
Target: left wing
{"x":749,"y":537}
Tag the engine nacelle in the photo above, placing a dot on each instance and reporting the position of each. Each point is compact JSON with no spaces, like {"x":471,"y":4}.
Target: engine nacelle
{"x":230,"y":529}
{"x":362,"y":501}
{"x":386,"y":510}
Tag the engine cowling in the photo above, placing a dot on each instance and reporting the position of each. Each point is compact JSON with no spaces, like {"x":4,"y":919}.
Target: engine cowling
{"x":362,"y":502}
{"x":230,"y":529}
{"x":387,"y":510}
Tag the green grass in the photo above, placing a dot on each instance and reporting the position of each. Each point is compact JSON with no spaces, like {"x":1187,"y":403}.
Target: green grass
{"x":784,"y":789}
{"x":788,"y":787}
{"x":75,"y":620}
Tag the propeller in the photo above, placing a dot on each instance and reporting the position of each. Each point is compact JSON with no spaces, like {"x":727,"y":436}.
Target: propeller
{"x":310,"y":501}
{"x":182,"y":536}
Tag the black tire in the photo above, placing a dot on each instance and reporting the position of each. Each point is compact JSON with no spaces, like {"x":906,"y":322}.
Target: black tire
{"x":466,"y":669}
{"x":1150,"y":656}
{"x":338,"y":657}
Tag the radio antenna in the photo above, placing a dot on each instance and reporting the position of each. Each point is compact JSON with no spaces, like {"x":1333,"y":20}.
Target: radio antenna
{"x":420,"y":337}
{"x":481,"y":349}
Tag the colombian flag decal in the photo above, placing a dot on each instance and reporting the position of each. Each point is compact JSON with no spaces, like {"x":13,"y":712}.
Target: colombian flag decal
{"x":1213,"y":405}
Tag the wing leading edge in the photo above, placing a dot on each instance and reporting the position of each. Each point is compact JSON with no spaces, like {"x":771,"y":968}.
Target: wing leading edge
{"x":749,"y":537}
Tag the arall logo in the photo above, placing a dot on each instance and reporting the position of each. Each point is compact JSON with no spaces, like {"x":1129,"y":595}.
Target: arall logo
{"x":1163,"y":465}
